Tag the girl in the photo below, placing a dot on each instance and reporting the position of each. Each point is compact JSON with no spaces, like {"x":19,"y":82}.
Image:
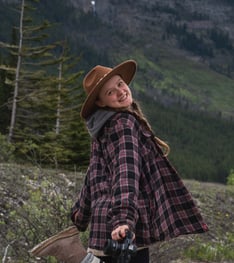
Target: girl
{"x":130,"y":184}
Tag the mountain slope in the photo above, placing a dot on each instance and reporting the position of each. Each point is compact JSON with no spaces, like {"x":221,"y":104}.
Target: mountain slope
{"x":184,"y":48}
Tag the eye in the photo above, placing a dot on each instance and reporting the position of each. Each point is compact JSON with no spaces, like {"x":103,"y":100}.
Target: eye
{"x":110,"y":92}
{"x":121,"y":83}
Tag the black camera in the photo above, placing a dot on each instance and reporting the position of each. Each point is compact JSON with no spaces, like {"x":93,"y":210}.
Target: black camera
{"x":122,"y":250}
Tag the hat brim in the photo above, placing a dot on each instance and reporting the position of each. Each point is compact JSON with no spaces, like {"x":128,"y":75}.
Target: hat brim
{"x":126,"y":70}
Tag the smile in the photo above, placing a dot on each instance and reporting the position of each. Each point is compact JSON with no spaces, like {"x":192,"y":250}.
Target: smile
{"x":123,"y":97}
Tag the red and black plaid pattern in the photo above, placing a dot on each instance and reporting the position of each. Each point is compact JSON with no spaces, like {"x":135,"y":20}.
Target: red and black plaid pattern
{"x":129,"y":181}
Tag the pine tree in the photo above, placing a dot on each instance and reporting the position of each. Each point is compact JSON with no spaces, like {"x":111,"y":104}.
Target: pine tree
{"x":4,"y":95}
{"x":7,"y":72}
{"x":67,"y":142}
{"x":31,"y":54}
{"x":45,"y":122}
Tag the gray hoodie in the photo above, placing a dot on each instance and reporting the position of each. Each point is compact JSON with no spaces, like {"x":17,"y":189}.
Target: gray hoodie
{"x":96,"y":121}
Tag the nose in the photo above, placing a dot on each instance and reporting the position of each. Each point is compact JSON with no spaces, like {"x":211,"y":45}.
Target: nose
{"x":120,"y":91}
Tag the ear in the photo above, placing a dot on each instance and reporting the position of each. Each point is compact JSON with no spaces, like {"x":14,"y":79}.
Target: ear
{"x":100,"y":104}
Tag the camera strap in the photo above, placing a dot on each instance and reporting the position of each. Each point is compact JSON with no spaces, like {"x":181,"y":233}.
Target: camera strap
{"x":90,"y":258}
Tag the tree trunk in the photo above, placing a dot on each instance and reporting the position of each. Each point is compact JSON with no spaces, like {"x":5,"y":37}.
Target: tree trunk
{"x":59,"y":100}
{"x":16,"y":89}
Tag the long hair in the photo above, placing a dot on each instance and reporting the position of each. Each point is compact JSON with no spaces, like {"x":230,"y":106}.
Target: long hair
{"x":137,"y":112}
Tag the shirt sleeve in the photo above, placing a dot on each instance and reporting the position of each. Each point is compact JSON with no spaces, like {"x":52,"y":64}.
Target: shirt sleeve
{"x":81,"y":211}
{"x":123,"y":150}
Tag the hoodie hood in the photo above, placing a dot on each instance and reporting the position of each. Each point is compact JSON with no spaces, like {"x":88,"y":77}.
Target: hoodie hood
{"x":96,"y":121}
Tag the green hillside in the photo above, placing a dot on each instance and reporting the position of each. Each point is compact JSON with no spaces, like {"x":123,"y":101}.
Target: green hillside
{"x":174,"y":79}
{"x":35,"y":204}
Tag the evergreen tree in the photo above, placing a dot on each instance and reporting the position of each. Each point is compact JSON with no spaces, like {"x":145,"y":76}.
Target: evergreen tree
{"x":4,"y":96}
{"x":45,"y":105}
{"x":7,"y":72}
{"x":32,"y":54}
{"x":68,"y":141}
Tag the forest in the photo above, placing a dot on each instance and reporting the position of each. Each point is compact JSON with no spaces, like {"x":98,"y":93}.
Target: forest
{"x":41,"y":95}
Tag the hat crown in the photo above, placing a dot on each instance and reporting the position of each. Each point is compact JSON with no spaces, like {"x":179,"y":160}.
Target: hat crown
{"x":94,"y":77}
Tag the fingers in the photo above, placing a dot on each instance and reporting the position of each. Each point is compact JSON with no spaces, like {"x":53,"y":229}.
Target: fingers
{"x":120,"y":232}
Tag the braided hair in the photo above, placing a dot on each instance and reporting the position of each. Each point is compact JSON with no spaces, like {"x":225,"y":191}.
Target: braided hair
{"x":137,"y":112}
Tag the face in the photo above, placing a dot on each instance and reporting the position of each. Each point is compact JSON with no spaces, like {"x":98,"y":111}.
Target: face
{"x":115,"y":93}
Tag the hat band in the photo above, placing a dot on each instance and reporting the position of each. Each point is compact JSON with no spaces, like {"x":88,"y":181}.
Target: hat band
{"x":101,"y":79}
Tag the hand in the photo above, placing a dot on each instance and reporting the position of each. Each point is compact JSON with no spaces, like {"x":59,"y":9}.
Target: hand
{"x":120,"y":232}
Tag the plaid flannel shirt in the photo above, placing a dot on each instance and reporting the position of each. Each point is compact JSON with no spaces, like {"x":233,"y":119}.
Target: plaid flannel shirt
{"x":129,"y":181}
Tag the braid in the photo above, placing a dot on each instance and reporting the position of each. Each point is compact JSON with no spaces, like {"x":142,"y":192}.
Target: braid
{"x":136,"y":110}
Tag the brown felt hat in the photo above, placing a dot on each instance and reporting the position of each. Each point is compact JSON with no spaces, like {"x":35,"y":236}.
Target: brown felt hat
{"x":96,"y":78}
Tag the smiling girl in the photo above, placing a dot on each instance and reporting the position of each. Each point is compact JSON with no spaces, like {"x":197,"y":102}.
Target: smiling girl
{"x":130,"y":183}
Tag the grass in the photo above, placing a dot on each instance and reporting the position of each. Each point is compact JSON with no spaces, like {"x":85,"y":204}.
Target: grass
{"x":216,"y":205}
{"x":35,"y":203}
{"x":217,"y":251}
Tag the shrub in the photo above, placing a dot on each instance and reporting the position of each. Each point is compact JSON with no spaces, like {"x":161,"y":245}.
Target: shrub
{"x":230,"y":178}
{"x":219,"y":251}
{"x":6,"y":149}
{"x":36,"y":205}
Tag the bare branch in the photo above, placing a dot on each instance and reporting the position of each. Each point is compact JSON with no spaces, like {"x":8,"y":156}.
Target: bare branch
{"x":6,"y":251}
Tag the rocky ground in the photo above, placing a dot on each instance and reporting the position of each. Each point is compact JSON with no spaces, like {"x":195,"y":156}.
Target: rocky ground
{"x":215,"y":201}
